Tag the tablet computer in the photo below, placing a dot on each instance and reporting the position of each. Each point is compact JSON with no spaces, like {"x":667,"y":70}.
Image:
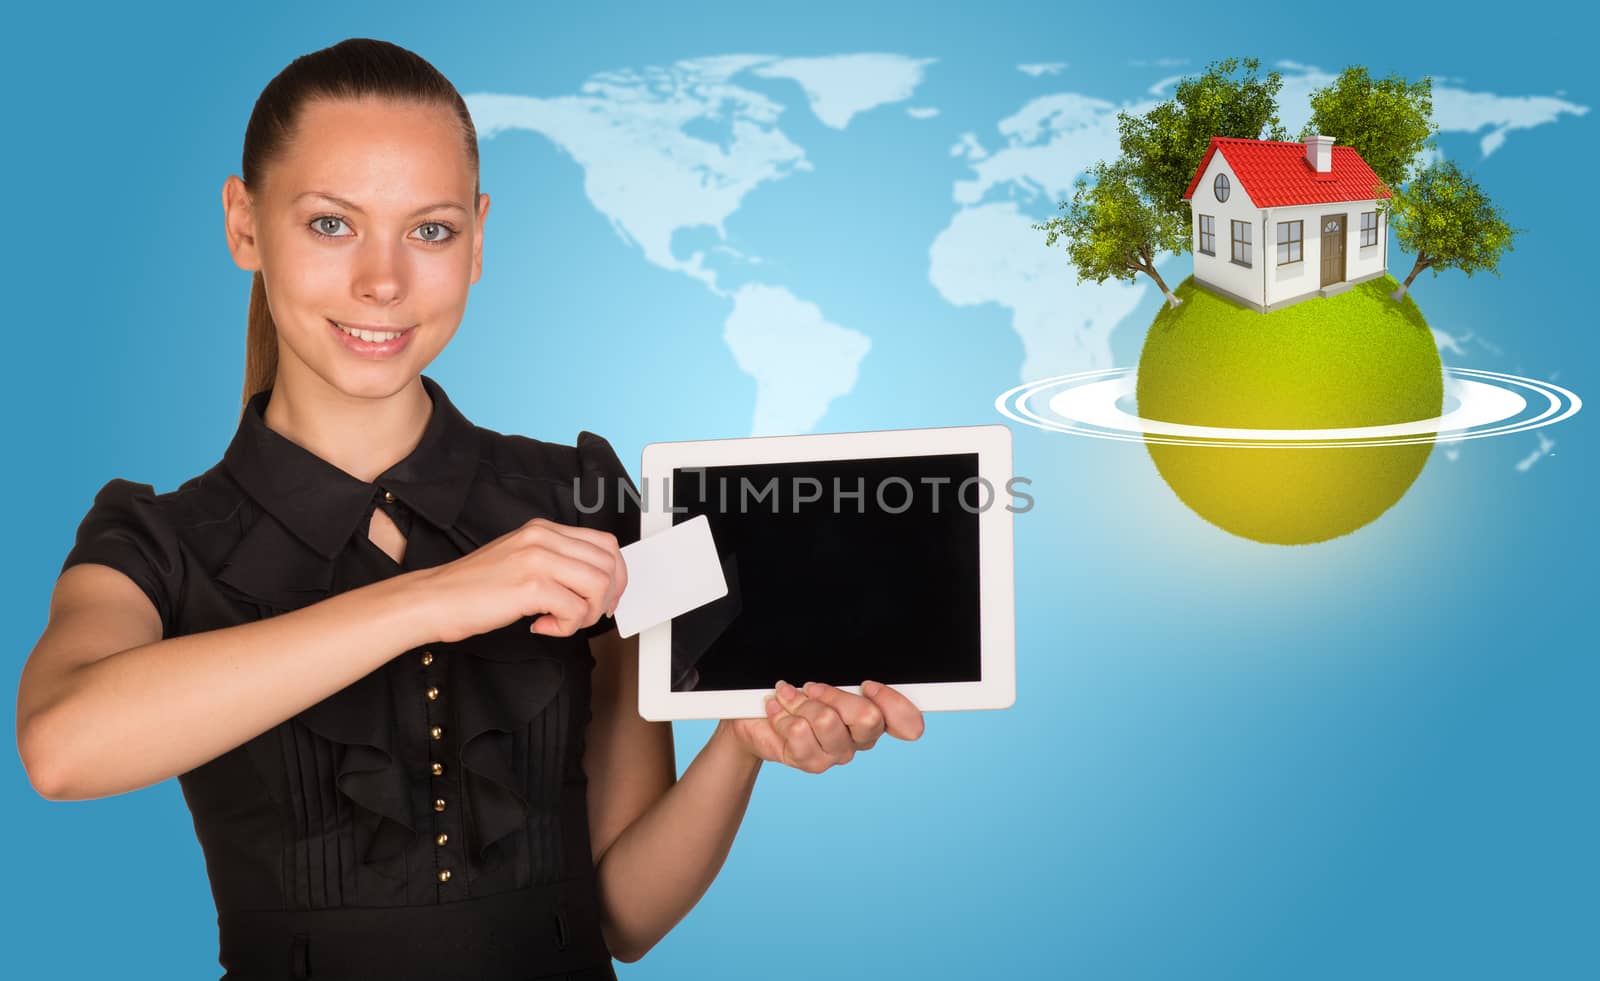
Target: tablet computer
{"x":883,"y":556}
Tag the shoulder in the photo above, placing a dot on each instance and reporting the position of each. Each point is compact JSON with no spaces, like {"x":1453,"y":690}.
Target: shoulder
{"x":585,"y":478}
{"x":204,"y":516}
{"x":148,"y":536}
{"x":203,"y":498}
{"x":511,"y":455}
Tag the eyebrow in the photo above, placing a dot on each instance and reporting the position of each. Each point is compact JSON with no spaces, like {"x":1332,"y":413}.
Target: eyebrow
{"x":352,"y":206}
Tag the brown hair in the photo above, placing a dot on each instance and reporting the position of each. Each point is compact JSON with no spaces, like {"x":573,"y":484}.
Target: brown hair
{"x":352,"y":69}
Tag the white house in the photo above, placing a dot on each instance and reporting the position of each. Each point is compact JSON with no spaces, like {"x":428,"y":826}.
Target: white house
{"x":1276,"y":223}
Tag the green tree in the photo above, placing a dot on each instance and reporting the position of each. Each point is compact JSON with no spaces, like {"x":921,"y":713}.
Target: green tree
{"x":1388,"y":120}
{"x":1112,"y":232}
{"x":1447,"y":220}
{"x":1165,"y":144}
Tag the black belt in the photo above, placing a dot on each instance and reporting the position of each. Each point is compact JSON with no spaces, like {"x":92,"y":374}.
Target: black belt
{"x":544,"y":930}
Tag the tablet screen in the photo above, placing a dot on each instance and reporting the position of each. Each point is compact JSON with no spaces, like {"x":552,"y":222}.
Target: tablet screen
{"x":838,"y":571}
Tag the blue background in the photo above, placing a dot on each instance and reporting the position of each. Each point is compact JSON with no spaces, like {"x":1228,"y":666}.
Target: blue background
{"x":1372,"y":757}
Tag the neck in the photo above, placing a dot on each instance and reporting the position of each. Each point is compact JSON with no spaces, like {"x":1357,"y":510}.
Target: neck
{"x":362,"y":435}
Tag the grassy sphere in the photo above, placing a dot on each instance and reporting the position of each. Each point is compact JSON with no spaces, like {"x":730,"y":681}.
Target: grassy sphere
{"x":1355,"y":359}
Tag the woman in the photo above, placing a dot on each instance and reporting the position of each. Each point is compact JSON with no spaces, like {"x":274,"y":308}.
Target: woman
{"x":374,"y":642}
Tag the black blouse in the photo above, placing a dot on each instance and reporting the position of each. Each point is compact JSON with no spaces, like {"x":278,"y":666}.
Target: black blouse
{"x":429,"y":820}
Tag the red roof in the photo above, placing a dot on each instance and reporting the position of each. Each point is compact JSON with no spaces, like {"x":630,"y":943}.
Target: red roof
{"x":1276,"y":173}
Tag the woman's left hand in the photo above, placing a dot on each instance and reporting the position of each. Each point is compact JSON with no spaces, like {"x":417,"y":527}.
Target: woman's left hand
{"x":823,"y":726}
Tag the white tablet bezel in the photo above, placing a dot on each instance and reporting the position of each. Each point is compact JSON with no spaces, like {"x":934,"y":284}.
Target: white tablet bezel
{"x":997,"y":619}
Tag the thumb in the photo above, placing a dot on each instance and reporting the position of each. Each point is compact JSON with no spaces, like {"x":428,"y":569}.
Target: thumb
{"x":760,"y":738}
{"x":546,"y":624}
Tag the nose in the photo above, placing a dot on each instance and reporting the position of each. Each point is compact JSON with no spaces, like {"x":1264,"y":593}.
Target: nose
{"x":380,"y":271}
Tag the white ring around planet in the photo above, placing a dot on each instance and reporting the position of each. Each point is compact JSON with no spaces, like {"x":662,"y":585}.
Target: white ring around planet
{"x":1479,"y":404}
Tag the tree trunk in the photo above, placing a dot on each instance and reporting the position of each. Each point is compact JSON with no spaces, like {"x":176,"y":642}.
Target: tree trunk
{"x":1422,"y":263}
{"x":1150,"y":270}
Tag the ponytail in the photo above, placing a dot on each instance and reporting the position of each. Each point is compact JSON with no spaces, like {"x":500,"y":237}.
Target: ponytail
{"x":260,"y":344}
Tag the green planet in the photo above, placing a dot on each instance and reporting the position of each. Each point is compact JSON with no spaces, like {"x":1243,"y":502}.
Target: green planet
{"x":1357,"y":358}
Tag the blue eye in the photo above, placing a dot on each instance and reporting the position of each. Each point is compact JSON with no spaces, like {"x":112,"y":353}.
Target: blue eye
{"x":441,"y":225}
{"x":320,"y":220}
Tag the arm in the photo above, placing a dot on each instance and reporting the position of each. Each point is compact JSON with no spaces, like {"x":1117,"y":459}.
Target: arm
{"x":106,"y":706}
{"x":658,"y":841}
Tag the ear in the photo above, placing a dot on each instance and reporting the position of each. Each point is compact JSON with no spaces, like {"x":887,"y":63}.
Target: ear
{"x":239,"y":224}
{"x":477,"y":237}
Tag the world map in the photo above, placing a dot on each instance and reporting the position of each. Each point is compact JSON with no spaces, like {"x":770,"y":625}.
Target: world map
{"x":670,"y":153}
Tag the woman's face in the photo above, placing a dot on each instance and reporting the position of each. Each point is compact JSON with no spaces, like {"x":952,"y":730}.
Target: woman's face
{"x":365,"y":221}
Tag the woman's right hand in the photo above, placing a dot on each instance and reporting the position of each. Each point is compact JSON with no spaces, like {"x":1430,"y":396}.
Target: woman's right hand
{"x":571,"y":575}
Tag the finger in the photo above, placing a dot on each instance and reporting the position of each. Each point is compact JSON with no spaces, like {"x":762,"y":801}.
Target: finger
{"x":860,"y":714}
{"x":607,"y":542}
{"x":901,"y":715}
{"x":580,"y":565}
{"x":582,"y":580}
{"x":827,"y":729}
{"x":598,"y":548}
{"x":563,"y":613}
{"x":766,"y":740}
{"x":800,"y":747}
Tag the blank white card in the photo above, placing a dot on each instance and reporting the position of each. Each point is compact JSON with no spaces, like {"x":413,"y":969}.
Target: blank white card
{"x":669,"y":574}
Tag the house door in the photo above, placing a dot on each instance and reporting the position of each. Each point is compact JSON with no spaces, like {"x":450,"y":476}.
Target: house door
{"x":1333,"y":237}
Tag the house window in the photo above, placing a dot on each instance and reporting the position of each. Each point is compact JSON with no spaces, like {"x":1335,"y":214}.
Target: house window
{"x":1369,"y":228}
{"x":1241,"y":242}
{"x":1208,"y":235}
{"x":1220,"y":187}
{"x":1291,"y":235}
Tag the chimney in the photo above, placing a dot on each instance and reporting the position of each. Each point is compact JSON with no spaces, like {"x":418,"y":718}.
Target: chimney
{"x":1319,"y":153}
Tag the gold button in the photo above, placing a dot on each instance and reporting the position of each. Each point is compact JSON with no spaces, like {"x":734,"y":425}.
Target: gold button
{"x":438,"y":769}
{"x":436,"y":732}
{"x":388,"y":497}
{"x":438,"y":804}
{"x":441,"y":839}
{"x":433,"y":694}
{"x":427,"y":658}
{"x":444,"y":875}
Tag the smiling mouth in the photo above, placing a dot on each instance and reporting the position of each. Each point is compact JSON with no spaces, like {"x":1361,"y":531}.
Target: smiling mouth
{"x":371,"y":335}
